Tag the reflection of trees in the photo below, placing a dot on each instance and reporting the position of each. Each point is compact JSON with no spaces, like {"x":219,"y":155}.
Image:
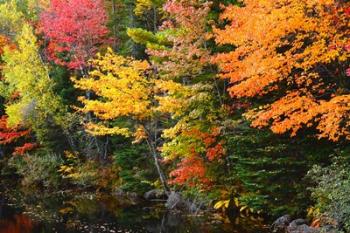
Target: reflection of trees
{"x":75,"y":212}
{"x":2,"y":202}
{"x":16,"y":224}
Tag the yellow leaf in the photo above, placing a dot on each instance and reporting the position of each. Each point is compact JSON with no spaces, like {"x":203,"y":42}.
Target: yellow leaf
{"x":243,"y":208}
{"x":236,"y":201}
{"x":222,"y":203}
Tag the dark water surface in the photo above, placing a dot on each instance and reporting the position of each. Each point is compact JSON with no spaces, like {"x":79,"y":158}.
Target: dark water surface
{"x":30,"y":211}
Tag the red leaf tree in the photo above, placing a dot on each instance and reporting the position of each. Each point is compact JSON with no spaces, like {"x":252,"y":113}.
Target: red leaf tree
{"x":191,"y":171}
{"x":11,"y":136}
{"x":75,"y":29}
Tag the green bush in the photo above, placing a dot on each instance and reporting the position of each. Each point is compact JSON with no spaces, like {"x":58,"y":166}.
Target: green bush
{"x":266,"y":172}
{"x":79,"y":172}
{"x":331,"y":191}
{"x":137,"y":170}
{"x":38,"y":169}
{"x":86,"y":174}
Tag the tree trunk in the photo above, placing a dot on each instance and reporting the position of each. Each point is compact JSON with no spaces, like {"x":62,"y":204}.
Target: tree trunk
{"x":159,"y":169}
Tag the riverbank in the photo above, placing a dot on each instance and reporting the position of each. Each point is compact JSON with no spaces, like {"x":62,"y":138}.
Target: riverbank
{"x":72,"y":211}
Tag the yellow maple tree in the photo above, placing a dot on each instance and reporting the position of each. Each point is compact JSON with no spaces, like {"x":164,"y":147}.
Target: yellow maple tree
{"x":124,"y":89}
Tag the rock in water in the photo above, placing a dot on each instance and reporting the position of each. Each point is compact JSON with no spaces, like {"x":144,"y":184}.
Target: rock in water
{"x":155,"y":194}
{"x":175,"y":201}
{"x":281,"y":224}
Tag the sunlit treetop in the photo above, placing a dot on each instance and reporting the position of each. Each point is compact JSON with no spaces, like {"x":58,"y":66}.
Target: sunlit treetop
{"x":186,"y":31}
{"x":123,"y":88}
{"x":25,"y":75}
{"x":178,"y":49}
{"x":11,"y":19}
{"x":74,"y":29}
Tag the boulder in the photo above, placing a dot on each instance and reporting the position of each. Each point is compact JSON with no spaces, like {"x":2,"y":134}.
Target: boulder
{"x":285,"y":224}
{"x":302,"y":229}
{"x":176,"y":202}
{"x":297,"y":222}
{"x":281,"y":224}
{"x":133,"y":197}
{"x":155,"y":194}
{"x":119,"y":192}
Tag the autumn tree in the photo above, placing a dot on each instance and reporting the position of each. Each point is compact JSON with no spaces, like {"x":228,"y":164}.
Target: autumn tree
{"x":25,"y":74}
{"x":188,"y":92}
{"x":26,"y":85}
{"x":124,"y":90}
{"x":292,"y":55}
{"x":9,"y":136}
{"x":127,"y":88}
{"x":74,"y":30}
{"x":178,"y":47}
{"x":179,"y":52}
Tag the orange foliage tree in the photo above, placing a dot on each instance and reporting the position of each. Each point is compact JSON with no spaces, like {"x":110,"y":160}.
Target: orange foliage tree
{"x":292,"y":56}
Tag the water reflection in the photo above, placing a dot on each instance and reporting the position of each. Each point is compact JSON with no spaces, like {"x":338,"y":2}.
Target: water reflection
{"x":16,"y":224}
{"x":34,"y":212}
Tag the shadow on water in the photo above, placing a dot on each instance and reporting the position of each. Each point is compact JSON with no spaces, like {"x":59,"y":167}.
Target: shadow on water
{"x":72,"y":212}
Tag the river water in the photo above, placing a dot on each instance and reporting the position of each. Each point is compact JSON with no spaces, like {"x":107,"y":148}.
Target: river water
{"x":33,"y":211}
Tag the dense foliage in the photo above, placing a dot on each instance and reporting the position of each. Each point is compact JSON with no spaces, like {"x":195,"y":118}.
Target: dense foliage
{"x":331,"y":191}
{"x":298,"y":57}
{"x":229,"y":102}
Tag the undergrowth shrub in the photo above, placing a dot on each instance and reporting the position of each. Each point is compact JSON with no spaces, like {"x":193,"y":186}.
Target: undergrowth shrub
{"x":38,"y":169}
{"x":331,"y":191}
